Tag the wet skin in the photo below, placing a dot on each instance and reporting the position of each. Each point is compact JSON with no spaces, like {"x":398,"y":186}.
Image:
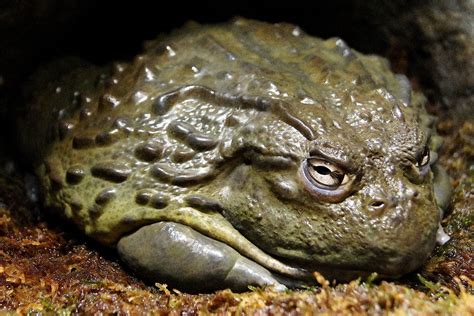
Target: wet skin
{"x":242,"y":153}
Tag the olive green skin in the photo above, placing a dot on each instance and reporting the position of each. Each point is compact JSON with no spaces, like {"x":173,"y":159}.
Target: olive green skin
{"x":260,"y":99}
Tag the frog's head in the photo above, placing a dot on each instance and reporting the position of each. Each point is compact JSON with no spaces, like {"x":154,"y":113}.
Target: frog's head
{"x":337,"y":189}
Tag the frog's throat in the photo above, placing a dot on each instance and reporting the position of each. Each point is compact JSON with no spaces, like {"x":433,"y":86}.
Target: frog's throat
{"x":215,"y":226}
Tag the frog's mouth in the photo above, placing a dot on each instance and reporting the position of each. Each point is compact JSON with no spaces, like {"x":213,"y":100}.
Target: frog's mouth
{"x":391,"y":264}
{"x":217,"y":227}
{"x":287,"y":270}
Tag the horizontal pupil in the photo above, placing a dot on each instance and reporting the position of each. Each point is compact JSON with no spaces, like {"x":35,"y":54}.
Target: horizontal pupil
{"x":322,"y":170}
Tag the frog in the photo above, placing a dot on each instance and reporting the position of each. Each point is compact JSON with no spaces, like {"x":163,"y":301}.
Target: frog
{"x":242,"y":153}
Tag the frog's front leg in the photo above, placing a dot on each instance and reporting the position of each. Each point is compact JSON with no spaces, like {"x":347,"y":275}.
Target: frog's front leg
{"x":177,"y":254}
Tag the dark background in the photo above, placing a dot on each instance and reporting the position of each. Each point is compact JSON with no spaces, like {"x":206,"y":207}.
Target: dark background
{"x":34,"y":32}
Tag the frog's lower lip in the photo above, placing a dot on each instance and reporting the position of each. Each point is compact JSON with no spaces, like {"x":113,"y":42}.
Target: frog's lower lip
{"x":386,"y":267}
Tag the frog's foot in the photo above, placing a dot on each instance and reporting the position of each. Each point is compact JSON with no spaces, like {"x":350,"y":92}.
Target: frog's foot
{"x":179,"y":255}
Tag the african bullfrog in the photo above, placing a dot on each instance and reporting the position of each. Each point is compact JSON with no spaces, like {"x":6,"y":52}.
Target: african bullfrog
{"x":240,"y":153}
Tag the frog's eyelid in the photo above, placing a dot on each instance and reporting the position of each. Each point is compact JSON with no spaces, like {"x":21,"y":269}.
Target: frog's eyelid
{"x":344,"y":165}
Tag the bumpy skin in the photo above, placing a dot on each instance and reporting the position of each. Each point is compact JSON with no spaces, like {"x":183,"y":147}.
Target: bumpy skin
{"x":211,"y":128}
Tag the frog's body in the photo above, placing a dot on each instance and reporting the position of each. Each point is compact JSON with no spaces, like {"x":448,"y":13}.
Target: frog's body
{"x":224,"y":151}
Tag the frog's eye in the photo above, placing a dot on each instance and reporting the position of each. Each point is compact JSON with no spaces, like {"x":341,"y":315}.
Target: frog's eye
{"x":325,"y":174}
{"x":424,"y":159}
{"x":416,"y":171}
{"x":325,"y":180}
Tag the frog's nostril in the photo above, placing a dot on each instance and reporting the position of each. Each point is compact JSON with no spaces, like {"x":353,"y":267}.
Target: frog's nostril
{"x":411,"y":194}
